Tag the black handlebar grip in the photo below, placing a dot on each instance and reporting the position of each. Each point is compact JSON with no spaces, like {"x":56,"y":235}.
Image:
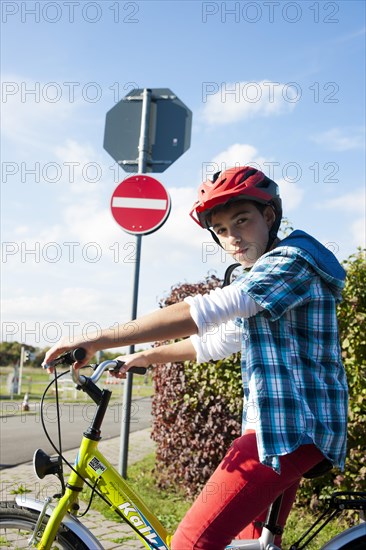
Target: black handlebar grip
{"x":70,"y":357}
{"x":78,"y":354}
{"x":137,"y":370}
{"x":133,"y":370}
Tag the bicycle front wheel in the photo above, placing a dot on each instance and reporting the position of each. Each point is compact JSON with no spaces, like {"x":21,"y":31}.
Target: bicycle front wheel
{"x":17,"y":525}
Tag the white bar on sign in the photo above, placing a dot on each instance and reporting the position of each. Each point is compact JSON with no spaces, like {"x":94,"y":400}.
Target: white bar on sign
{"x":131,"y":202}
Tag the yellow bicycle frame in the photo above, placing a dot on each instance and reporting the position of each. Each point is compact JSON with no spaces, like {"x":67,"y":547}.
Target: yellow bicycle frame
{"x":93,"y":466}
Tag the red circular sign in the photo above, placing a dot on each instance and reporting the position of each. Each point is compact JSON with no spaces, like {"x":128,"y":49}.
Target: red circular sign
{"x":140,"y":204}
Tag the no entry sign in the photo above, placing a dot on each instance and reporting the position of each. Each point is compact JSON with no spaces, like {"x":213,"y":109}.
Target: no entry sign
{"x":140,"y":204}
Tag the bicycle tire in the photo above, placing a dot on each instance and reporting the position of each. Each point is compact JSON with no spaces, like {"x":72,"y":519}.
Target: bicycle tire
{"x":17,"y":524}
{"x":353,"y":538}
{"x":359,"y":544}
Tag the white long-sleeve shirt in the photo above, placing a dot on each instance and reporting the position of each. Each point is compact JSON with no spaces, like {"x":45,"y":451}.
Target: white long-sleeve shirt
{"x":214,"y":313}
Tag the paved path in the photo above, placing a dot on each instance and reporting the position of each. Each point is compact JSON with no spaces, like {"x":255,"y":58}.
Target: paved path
{"x":140,"y":444}
{"x":26,"y":427}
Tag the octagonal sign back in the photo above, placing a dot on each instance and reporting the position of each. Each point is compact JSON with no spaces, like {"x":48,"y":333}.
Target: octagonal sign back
{"x":169,"y":130}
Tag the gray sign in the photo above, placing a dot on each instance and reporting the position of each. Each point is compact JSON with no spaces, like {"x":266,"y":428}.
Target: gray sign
{"x":169,"y":130}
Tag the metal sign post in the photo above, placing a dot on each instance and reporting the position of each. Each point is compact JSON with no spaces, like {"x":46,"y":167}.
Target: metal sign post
{"x":127,"y":394}
{"x":154,"y":126}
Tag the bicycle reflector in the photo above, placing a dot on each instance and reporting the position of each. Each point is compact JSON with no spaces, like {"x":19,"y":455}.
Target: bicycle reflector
{"x":44,"y":465}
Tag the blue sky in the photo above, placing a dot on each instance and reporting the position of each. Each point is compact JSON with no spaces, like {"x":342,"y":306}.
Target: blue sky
{"x":278,"y":84}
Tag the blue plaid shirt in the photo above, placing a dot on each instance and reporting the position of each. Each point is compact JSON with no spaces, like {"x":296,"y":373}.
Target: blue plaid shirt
{"x":295,"y":387}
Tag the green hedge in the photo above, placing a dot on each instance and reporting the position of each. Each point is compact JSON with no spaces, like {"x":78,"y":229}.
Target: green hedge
{"x":197,"y":408}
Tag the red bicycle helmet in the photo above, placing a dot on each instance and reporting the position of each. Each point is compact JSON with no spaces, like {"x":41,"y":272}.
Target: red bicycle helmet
{"x":242,"y":183}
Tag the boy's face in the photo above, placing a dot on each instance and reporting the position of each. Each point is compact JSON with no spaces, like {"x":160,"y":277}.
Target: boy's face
{"x":243,"y":230}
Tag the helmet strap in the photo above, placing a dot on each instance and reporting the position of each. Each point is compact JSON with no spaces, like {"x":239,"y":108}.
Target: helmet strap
{"x":228,"y":273}
{"x":272,"y":235}
{"x":215,"y":237}
{"x":271,"y":239}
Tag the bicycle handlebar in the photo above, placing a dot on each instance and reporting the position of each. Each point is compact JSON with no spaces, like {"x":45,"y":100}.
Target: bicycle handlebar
{"x":110,"y":364}
{"x":78,"y":354}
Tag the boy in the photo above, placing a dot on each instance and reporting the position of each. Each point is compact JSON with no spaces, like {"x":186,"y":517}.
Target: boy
{"x":295,"y":390}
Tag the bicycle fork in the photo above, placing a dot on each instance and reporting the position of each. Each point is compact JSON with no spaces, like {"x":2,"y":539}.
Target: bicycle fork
{"x":67,"y":503}
{"x":37,"y":528}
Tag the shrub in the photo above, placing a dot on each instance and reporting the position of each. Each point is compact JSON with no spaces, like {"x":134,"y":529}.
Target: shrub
{"x":196,"y":410}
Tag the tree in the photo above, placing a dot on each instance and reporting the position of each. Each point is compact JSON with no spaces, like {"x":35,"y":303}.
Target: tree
{"x":9,"y":353}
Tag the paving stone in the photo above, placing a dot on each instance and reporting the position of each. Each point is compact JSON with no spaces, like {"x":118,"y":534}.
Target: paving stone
{"x":106,"y":531}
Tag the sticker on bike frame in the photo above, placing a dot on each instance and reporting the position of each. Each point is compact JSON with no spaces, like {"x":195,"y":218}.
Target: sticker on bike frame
{"x":139,"y":520}
{"x":97,"y":465}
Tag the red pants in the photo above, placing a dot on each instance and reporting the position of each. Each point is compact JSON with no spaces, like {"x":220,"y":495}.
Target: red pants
{"x":238,"y":493}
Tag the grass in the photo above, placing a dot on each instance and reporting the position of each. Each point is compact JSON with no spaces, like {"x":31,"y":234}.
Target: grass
{"x":20,"y":490}
{"x":171,"y":505}
{"x":299,"y":521}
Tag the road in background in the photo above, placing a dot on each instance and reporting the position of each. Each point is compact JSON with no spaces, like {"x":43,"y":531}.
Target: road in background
{"x":22,"y":432}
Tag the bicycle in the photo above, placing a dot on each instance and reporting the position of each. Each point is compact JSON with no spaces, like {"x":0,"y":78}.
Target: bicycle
{"x":30,"y":523}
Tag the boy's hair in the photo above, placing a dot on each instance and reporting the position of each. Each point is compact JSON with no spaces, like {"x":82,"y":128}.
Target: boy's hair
{"x":222,"y":207}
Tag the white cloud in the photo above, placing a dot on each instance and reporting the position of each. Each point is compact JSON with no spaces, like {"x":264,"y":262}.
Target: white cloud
{"x":358,"y":230}
{"x":180,"y":228}
{"x":21,"y":230}
{"x":350,"y":36}
{"x":240,"y":154}
{"x":341,"y":139}
{"x":41,"y":318}
{"x":88,"y":222}
{"x":89,"y":300}
{"x":291,"y":194}
{"x":352,"y":205}
{"x":80,"y":165}
{"x":237,"y":101}
{"x":33,"y":111}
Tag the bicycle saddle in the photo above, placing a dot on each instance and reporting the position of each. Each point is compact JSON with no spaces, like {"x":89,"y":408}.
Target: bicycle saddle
{"x":320,"y":469}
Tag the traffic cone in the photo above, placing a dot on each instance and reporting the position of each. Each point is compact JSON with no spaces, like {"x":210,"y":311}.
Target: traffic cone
{"x":25,"y":404}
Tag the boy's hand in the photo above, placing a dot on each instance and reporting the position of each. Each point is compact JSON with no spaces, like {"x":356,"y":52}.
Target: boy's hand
{"x":64,"y":345}
{"x":134,"y":360}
